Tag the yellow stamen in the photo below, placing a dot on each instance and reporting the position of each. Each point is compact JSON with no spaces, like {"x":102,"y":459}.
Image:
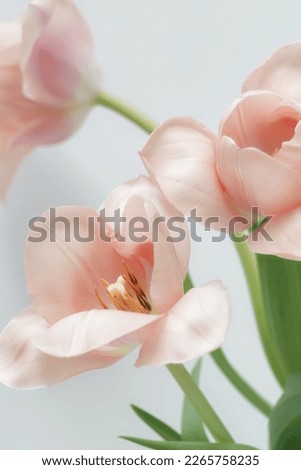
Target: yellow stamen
{"x":100,"y":300}
{"x":126,"y":294}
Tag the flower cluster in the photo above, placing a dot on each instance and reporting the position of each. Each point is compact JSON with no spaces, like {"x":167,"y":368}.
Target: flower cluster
{"x":93,"y":303}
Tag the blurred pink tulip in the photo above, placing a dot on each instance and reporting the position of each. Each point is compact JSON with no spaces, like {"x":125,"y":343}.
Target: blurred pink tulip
{"x":93,"y":302}
{"x":254,"y":162}
{"x":48,"y":80}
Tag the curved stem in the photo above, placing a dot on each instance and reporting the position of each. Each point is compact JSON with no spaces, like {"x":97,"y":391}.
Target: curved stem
{"x":248,"y":261}
{"x":242,"y":386}
{"x":109,"y":101}
{"x":200,"y":403}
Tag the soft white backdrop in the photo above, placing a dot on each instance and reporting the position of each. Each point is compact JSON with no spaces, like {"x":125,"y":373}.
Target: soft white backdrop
{"x":171,"y":57}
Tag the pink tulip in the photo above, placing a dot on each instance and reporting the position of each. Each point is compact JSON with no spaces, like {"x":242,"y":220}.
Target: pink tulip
{"x":254,"y":162}
{"x":48,"y":80}
{"x":93,"y":302}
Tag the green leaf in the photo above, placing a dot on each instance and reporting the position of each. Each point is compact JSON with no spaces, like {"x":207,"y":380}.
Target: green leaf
{"x":281,"y":290}
{"x":186,"y":445}
{"x":285,"y":422}
{"x":250,"y":265}
{"x":192,"y":426}
{"x":161,"y":428}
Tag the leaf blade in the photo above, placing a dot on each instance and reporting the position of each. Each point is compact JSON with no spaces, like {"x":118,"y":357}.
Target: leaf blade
{"x":192,"y":426}
{"x":280,"y":281}
{"x":285,"y":422}
{"x":161,"y":428}
{"x":186,"y":445}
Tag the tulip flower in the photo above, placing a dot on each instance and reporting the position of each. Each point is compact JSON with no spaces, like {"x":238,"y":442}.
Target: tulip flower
{"x":94,"y":301}
{"x":48,"y":80}
{"x":253,"y":163}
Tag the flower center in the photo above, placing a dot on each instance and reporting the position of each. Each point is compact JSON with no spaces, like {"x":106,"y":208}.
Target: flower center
{"x":126,"y":294}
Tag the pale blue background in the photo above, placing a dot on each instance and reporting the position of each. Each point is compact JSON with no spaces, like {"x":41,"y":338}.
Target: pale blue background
{"x":168,"y":57}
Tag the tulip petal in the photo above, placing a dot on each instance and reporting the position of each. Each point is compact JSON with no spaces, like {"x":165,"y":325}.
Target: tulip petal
{"x":18,"y":121}
{"x":285,"y":232}
{"x":261,"y":120}
{"x":141,"y":198}
{"x":52,"y":126}
{"x":27,"y":125}
{"x":57,"y":43}
{"x":163,"y":279}
{"x":289,"y":154}
{"x":281,"y":73}
{"x":22,"y":365}
{"x":26,"y":128}
{"x":87,"y":331}
{"x":64,"y":272}
{"x":194,"y":326}
{"x":166,"y":286}
{"x":9,"y":162}
{"x":10,"y":43}
{"x":247,"y":173}
{"x":181,"y":156}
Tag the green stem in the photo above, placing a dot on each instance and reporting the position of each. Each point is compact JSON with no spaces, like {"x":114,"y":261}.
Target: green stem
{"x":188,"y":284}
{"x":249,"y":263}
{"x":109,"y":101}
{"x":200,"y":403}
{"x":244,"y":388}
